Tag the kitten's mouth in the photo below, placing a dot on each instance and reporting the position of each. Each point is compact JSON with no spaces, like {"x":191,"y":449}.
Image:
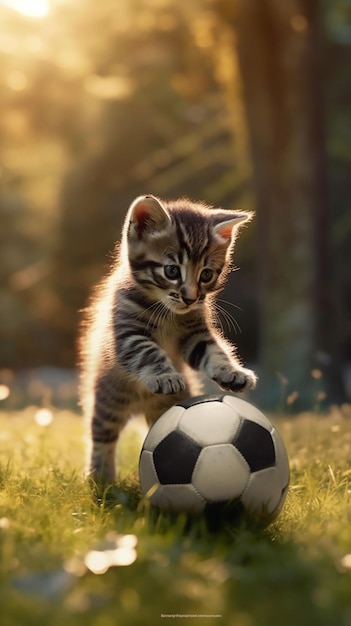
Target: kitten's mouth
{"x":186,"y":308}
{"x":180,"y":307}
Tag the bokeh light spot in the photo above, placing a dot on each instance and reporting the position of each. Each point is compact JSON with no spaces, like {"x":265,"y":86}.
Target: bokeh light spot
{"x":4,"y":392}
{"x":43,"y":417}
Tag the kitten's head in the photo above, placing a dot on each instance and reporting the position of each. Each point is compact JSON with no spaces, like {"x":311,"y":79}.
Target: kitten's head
{"x":179,"y":251}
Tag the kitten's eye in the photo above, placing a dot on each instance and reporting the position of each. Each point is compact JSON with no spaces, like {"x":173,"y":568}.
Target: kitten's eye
{"x":172,"y":272}
{"x":206,"y":275}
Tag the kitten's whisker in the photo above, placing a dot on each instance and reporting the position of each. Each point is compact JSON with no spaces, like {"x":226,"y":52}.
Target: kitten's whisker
{"x":154,"y":304}
{"x":156,"y":315}
{"x":230,"y":303}
{"x":236,"y":324}
{"x":163,"y":311}
{"x":229,"y":319}
{"x":219,"y":321}
{"x":216,"y":311}
{"x":149,"y":323}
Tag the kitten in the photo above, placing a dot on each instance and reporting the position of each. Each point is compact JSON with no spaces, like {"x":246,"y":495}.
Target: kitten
{"x":153,"y":320}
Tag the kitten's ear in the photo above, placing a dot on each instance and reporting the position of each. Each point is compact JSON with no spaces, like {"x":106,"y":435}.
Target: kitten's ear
{"x":146,"y":214}
{"x":227,"y":222}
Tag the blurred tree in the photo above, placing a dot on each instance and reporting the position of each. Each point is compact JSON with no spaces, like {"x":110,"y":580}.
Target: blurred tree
{"x":338,"y":96}
{"x":168,"y":131}
{"x":280,"y":55}
{"x":103,"y":101}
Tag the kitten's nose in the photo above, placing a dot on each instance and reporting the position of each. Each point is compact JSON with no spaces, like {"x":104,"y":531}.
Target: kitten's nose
{"x":188,"y":301}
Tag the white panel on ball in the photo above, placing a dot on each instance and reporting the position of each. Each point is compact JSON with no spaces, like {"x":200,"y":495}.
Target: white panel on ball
{"x":264,"y":488}
{"x":221,"y":473}
{"x":178,"y":498}
{"x":248,"y":411}
{"x":210,"y":423}
{"x":147,"y":472}
{"x":163,"y":427}
{"x":282,"y":461}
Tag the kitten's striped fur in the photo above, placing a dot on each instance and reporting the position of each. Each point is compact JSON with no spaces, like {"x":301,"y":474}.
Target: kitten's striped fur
{"x":152,"y":320}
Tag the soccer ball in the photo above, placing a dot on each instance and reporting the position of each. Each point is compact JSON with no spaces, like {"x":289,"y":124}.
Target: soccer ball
{"x":215,"y":452}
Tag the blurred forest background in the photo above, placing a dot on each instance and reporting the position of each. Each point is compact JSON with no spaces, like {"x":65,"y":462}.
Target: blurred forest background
{"x":239,"y":103}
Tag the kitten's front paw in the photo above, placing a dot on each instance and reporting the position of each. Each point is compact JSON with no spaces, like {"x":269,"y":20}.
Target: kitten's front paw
{"x":166,"y":383}
{"x":235,"y":379}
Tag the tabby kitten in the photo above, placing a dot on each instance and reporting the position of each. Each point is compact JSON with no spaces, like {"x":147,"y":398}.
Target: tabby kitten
{"x":153,"y":320}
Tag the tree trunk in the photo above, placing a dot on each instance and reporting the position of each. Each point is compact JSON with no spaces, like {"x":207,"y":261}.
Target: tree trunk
{"x":279,"y":55}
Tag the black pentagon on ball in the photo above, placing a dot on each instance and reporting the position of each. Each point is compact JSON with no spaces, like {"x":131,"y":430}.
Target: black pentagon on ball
{"x":175,"y":458}
{"x":256,"y":445}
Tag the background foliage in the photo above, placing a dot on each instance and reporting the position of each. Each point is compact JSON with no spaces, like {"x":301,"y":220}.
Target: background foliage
{"x":103,"y":101}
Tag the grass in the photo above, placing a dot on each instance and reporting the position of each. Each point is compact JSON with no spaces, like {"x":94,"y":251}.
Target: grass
{"x":296,"y":572}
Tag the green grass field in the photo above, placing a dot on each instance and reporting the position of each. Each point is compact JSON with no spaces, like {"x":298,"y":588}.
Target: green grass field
{"x":56,"y":538}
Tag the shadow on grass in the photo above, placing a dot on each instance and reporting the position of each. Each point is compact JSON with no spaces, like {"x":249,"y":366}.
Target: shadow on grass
{"x":260,"y":576}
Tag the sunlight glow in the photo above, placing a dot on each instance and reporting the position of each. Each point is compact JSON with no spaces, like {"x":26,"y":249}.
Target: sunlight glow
{"x":346,"y":561}
{"x":4,"y":523}
{"x":4,"y":392}
{"x":123,"y":554}
{"x":43,"y":417}
{"x":31,"y":8}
